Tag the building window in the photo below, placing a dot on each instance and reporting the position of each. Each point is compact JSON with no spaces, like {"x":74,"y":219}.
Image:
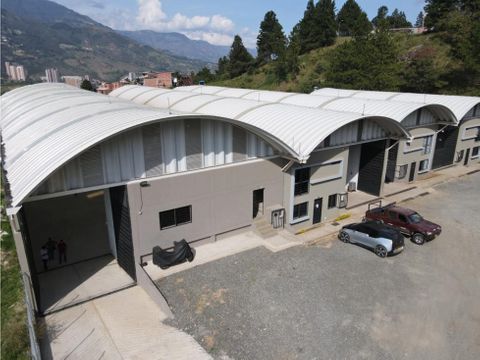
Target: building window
{"x":475,"y":152}
{"x":423,"y":166}
{"x":302,"y":178}
{"x":175,"y":217}
{"x":402,"y":171}
{"x":300,"y":210}
{"x":427,"y":144}
{"x":332,"y":201}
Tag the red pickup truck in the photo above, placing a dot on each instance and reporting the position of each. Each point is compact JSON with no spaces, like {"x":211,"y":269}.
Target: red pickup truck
{"x":409,"y":222}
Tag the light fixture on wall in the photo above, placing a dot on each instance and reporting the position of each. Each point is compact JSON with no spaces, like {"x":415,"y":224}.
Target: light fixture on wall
{"x":144,"y":184}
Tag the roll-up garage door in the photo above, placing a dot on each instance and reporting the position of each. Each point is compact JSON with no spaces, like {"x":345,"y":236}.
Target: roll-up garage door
{"x":371,"y":167}
{"x":445,"y":145}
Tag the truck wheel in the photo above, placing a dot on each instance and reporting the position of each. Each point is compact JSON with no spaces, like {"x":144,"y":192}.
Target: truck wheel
{"x":418,"y":239}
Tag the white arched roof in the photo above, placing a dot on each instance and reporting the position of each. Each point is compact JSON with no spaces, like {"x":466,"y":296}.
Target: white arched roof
{"x":45,"y":125}
{"x":458,"y":105}
{"x":334,"y":99}
{"x":299,"y":128}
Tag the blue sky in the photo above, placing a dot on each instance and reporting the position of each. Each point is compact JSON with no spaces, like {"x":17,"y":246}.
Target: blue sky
{"x":215,"y":21}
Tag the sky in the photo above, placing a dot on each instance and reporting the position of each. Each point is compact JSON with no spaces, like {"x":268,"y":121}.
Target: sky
{"x":215,"y":21}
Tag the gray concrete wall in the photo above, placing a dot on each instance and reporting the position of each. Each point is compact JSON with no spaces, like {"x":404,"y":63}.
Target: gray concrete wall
{"x":77,"y":219}
{"x":317,"y":190}
{"x":221,"y":200}
{"x":464,"y":144}
{"x":407,"y":158}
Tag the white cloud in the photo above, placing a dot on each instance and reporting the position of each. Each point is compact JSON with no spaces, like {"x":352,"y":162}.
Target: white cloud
{"x":216,"y":29}
{"x":211,"y":37}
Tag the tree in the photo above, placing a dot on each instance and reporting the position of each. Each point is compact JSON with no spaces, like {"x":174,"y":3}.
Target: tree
{"x":240,"y":60}
{"x":222,"y":67}
{"x":381,"y":19}
{"x":398,"y":20}
{"x":293,"y":51}
{"x":204,"y":74}
{"x":325,"y":30}
{"x":368,"y":62}
{"x":305,"y":27}
{"x":352,"y":20}
{"x":419,"y":21}
{"x":86,"y":85}
{"x":271,"y":40}
{"x":437,"y":10}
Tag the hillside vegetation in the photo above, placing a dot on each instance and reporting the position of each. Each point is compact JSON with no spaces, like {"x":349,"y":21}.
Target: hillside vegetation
{"x":345,"y":49}
{"x":314,"y":66}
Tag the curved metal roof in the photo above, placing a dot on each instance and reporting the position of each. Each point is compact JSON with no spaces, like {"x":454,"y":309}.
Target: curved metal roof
{"x":458,"y":105}
{"x":336,"y":100}
{"x":45,"y":125}
{"x":299,"y":128}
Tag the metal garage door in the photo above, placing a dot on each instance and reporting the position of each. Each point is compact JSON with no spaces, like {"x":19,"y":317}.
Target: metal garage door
{"x":445,"y":147}
{"x":371,"y":167}
{"x":123,"y":230}
{"x":391,"y":164}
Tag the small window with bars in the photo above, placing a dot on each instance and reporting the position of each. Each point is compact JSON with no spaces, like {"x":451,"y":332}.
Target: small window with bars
{"x":300,"y":210}
{"x":332,"y":201}
{"x":175,"y":217}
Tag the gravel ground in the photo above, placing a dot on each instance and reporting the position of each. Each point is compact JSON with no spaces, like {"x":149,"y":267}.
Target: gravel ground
{"x":340,"y":301}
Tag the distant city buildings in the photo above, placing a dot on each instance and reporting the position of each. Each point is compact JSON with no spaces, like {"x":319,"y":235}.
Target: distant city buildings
{"x":73,"y":80}
{"x":15,"y":72}
{"x":159,"y":80}
{"x":106,"y":88}
{"x":51,"y":75}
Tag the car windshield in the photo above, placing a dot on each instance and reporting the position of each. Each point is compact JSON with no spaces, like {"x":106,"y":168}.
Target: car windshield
{"x":415,"y":218}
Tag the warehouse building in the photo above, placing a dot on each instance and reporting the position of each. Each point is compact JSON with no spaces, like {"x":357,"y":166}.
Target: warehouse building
{"x":443,"y":128}
{"x":113,"y":178}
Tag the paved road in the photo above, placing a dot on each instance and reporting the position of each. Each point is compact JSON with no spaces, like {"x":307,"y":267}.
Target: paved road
{"x":341,"y":301}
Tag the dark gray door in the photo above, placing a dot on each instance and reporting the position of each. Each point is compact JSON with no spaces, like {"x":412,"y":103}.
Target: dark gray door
{"x":467,"y":157}
{"x":413,"y":167}
{"x":371,"y":167}
{"x":257,"y":202}
{"x":317,"y":210}
{"x":123,"y":230}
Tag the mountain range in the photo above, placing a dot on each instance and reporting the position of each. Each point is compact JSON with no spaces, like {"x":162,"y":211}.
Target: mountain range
{"x":41,"y":34}
{"x":179,"y":45}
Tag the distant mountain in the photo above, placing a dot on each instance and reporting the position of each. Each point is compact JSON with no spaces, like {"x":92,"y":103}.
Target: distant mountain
{"x":40,"y":34}
{"x":180,"y":45}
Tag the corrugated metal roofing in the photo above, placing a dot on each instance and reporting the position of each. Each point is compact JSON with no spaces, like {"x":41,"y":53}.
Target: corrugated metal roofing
{"x":45,"y":125}
{"x":298,"y":128}
{"x":458,"y":105}
{"x":337,"y":100}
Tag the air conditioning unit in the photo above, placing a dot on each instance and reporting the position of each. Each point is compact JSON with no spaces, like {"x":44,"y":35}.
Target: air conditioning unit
{"x":352,"y":186}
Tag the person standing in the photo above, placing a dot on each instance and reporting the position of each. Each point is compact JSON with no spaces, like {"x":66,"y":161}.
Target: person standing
{"x":62,"y":252}
{"x":51,"y":246}
{"x":44,"y":257}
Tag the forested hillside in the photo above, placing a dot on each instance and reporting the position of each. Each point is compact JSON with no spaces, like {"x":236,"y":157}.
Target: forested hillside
{"x":369,"y":54}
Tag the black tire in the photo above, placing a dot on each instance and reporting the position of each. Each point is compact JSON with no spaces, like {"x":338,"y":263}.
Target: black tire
{"x":418,"y":239}
{"x":343,"y":236}
{"x":380,"y":251}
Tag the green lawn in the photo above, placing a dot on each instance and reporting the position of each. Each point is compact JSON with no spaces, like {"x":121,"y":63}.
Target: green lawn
{"x":14,"y":339}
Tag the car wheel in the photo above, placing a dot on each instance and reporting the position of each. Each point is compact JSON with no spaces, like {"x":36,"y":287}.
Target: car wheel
{"x":381,"y":251}
{"x":344,"y":237}
{"x":418,"y":239}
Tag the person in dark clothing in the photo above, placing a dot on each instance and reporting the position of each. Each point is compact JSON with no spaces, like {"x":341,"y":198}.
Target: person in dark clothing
{"x":44,"y":257}
{"x":62,"y":252}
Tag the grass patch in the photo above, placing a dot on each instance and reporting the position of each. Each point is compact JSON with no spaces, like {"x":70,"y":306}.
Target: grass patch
{"x":14,"y":340}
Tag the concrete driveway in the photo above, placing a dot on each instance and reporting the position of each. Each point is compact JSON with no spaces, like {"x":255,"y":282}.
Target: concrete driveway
{"x":340,"y":301}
